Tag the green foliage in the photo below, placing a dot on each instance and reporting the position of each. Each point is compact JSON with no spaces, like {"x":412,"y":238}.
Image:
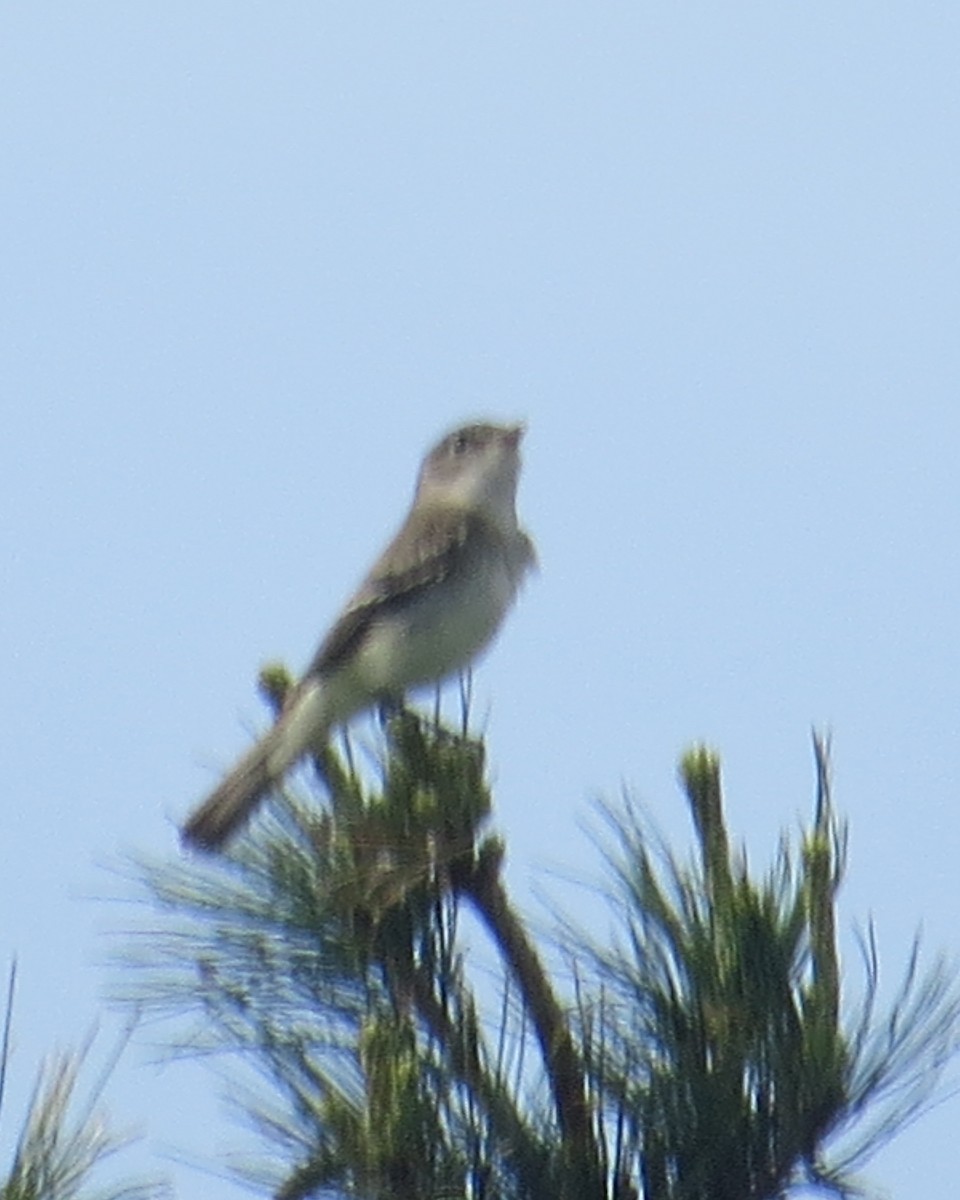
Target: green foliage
{"x":64,"y":1142}
{"x":721,"y":1059}
{"x":704,"y":1057}
{"x":323,"y":949}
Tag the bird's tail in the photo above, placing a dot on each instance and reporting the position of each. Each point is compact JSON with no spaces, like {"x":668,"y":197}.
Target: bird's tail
{"x":231,"y":804}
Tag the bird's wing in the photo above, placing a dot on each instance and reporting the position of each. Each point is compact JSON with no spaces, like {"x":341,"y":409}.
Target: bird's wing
{"x":429,"y":548}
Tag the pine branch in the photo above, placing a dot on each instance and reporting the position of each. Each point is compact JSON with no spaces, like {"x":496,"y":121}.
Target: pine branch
{"x":480,"y":881}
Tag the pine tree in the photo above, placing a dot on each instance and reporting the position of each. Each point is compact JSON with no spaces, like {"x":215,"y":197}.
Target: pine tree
{"x":706,"y":1056}
{"x":64,"y":1140}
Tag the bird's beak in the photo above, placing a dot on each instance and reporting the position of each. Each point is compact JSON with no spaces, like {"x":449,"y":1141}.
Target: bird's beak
{"x":514,"y":434}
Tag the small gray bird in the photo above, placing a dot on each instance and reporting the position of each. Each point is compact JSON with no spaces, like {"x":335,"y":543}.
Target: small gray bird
{"x":432,"y":601}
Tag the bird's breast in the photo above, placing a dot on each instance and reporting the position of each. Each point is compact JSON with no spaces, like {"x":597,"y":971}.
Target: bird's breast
{"x":436,"y":635}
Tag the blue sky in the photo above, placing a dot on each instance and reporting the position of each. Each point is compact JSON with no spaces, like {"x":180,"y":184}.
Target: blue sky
{"x":257,"y":257}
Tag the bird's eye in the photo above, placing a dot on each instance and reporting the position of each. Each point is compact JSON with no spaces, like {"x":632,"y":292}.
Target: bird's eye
{"x":460,"y":443}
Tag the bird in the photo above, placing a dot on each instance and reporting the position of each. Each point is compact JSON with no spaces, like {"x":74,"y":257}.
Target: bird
{"x":431,"y":602}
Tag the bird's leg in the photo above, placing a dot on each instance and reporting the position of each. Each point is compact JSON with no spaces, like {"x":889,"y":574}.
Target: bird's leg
{"x":389,"y":707}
